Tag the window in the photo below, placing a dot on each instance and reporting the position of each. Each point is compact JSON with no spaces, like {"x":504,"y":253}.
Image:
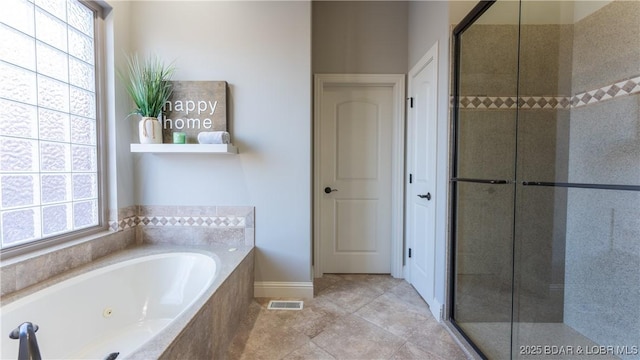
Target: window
{"x":49,"y":162}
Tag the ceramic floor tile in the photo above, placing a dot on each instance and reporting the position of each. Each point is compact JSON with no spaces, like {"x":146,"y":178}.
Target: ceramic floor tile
{"x":352,"y":337}
{"x":316,"y":316}
{"x":321,"y":283}
{"x":409,"y":295}
{"x":271,"y":337}
{"x":309,"y":351}
{"x":433,"y":338}
{"x":380,"y":283}
{"x":333,"y":325}
{"x":408,"y":351}
{"x":395,"y":316}
{"x":243,"y":333}
{"x":350,"y":295}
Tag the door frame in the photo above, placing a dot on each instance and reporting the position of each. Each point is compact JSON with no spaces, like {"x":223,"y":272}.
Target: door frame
{"x":397,"y":83}
{"x":431,"y":56}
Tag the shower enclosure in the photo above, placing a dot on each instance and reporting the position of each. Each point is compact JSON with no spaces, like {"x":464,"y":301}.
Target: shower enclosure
{"x":545,"y":187}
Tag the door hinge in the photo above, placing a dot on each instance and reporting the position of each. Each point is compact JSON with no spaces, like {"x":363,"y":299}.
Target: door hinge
{"x":409,"y":252}
{"x":410,"y":178}
{"x":410,"y":102}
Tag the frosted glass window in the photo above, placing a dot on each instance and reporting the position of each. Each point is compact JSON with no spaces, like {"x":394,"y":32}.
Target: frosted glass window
{"x":83,"y":158}
{"x":19,"y":120}
{"x":48,"y":123}
{"x":55,"y":219}
{"x":54,"y":157}
{"x":19,"y":226}
{"x":54,"y":125}
{"x":81,"y":46}
{"x":84,"y":186}
{"x":19,"y":190}
{"x":18,"y":155}
{"x":52,"y":62}
{"x":53,"y":94}
{"x":80,"y":17}
{"x":84,"y":214}
{"x":51,"y":30}
{"x":83,"y":103}
{"x":55,"y":188}
{"x":81,"y":74}
{"x":18,"y":14}
{"x":54,"y":7}
{"x":83,"y":130}
{"x":17,"y":83}
{"x":17,"y":48}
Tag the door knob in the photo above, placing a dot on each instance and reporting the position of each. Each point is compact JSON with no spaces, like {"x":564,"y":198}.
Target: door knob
{"x":329,"y":190}
{"x":422,"y":196}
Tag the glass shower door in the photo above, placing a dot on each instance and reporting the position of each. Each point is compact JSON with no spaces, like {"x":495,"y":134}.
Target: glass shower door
{"x":546,"y":180}
{"x":577,"y":225}
{"x":483,"y":179}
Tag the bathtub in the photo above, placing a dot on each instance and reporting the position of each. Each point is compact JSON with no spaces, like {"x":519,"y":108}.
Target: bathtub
{"x":117,"y":308}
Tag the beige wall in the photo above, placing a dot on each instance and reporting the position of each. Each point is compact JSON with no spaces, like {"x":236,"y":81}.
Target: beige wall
{"x":360,"y":37}
{"x":263,"y":50}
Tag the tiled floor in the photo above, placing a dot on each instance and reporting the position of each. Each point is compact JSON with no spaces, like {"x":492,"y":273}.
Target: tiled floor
{"x":351,"y":317}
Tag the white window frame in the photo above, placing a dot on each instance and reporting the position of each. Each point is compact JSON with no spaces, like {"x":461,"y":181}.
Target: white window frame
{"x":101,"y":151}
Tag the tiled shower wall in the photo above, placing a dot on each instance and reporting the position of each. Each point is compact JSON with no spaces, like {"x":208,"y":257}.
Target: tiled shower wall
{"x":602,"y":276}
{"x":576,"y":251}
{"x":489,"y":107}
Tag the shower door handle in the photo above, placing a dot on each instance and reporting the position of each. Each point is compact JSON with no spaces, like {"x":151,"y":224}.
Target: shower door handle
{"x":423,"y":196}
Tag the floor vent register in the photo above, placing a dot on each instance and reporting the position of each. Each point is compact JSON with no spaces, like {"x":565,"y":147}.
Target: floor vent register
{"x":285,"y":305}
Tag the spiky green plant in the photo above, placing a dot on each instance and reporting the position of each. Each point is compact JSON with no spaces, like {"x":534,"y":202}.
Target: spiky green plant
{"x":148,"y":84}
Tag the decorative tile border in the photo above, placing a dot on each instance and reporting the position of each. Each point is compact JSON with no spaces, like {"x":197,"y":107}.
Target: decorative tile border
{"x":512,"y":102}
{"x":621,"y":88}
{"x":145,"y":216}
{"x":208,"y":221}
{"x":123,"y":224}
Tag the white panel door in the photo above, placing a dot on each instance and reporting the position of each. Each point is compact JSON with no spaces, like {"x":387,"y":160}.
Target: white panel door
{"x":356,"y":126}
{"x":421,"y":167}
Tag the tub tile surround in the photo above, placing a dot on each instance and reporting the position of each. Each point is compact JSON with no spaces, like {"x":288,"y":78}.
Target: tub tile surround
{"x":160,"y":215}
{"x":24,"y":271}
{"x":205,"y":332}
{"x":221,"y":229}
{"x":181,"y":225}
{"x":185,"y":225}
{"x":202,"y":331}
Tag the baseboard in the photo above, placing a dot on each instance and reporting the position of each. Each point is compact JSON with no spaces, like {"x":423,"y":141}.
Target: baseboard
{"x":436,"y":309}
{"x":278,"y":289}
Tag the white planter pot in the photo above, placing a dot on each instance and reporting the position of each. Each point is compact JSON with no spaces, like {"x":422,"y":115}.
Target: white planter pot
{"x":150,"y":131}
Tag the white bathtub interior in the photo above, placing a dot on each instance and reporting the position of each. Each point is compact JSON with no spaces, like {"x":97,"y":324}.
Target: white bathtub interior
{"x":112,"y":309}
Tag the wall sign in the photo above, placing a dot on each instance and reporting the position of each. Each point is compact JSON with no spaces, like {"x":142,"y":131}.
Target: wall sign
{"x":195,"y":106}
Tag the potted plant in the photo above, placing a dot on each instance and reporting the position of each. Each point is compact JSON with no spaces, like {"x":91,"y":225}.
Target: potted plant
{"x":149,"y":87}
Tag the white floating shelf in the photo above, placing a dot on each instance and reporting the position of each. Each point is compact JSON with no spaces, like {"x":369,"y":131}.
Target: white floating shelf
{"x":226,"y":149}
